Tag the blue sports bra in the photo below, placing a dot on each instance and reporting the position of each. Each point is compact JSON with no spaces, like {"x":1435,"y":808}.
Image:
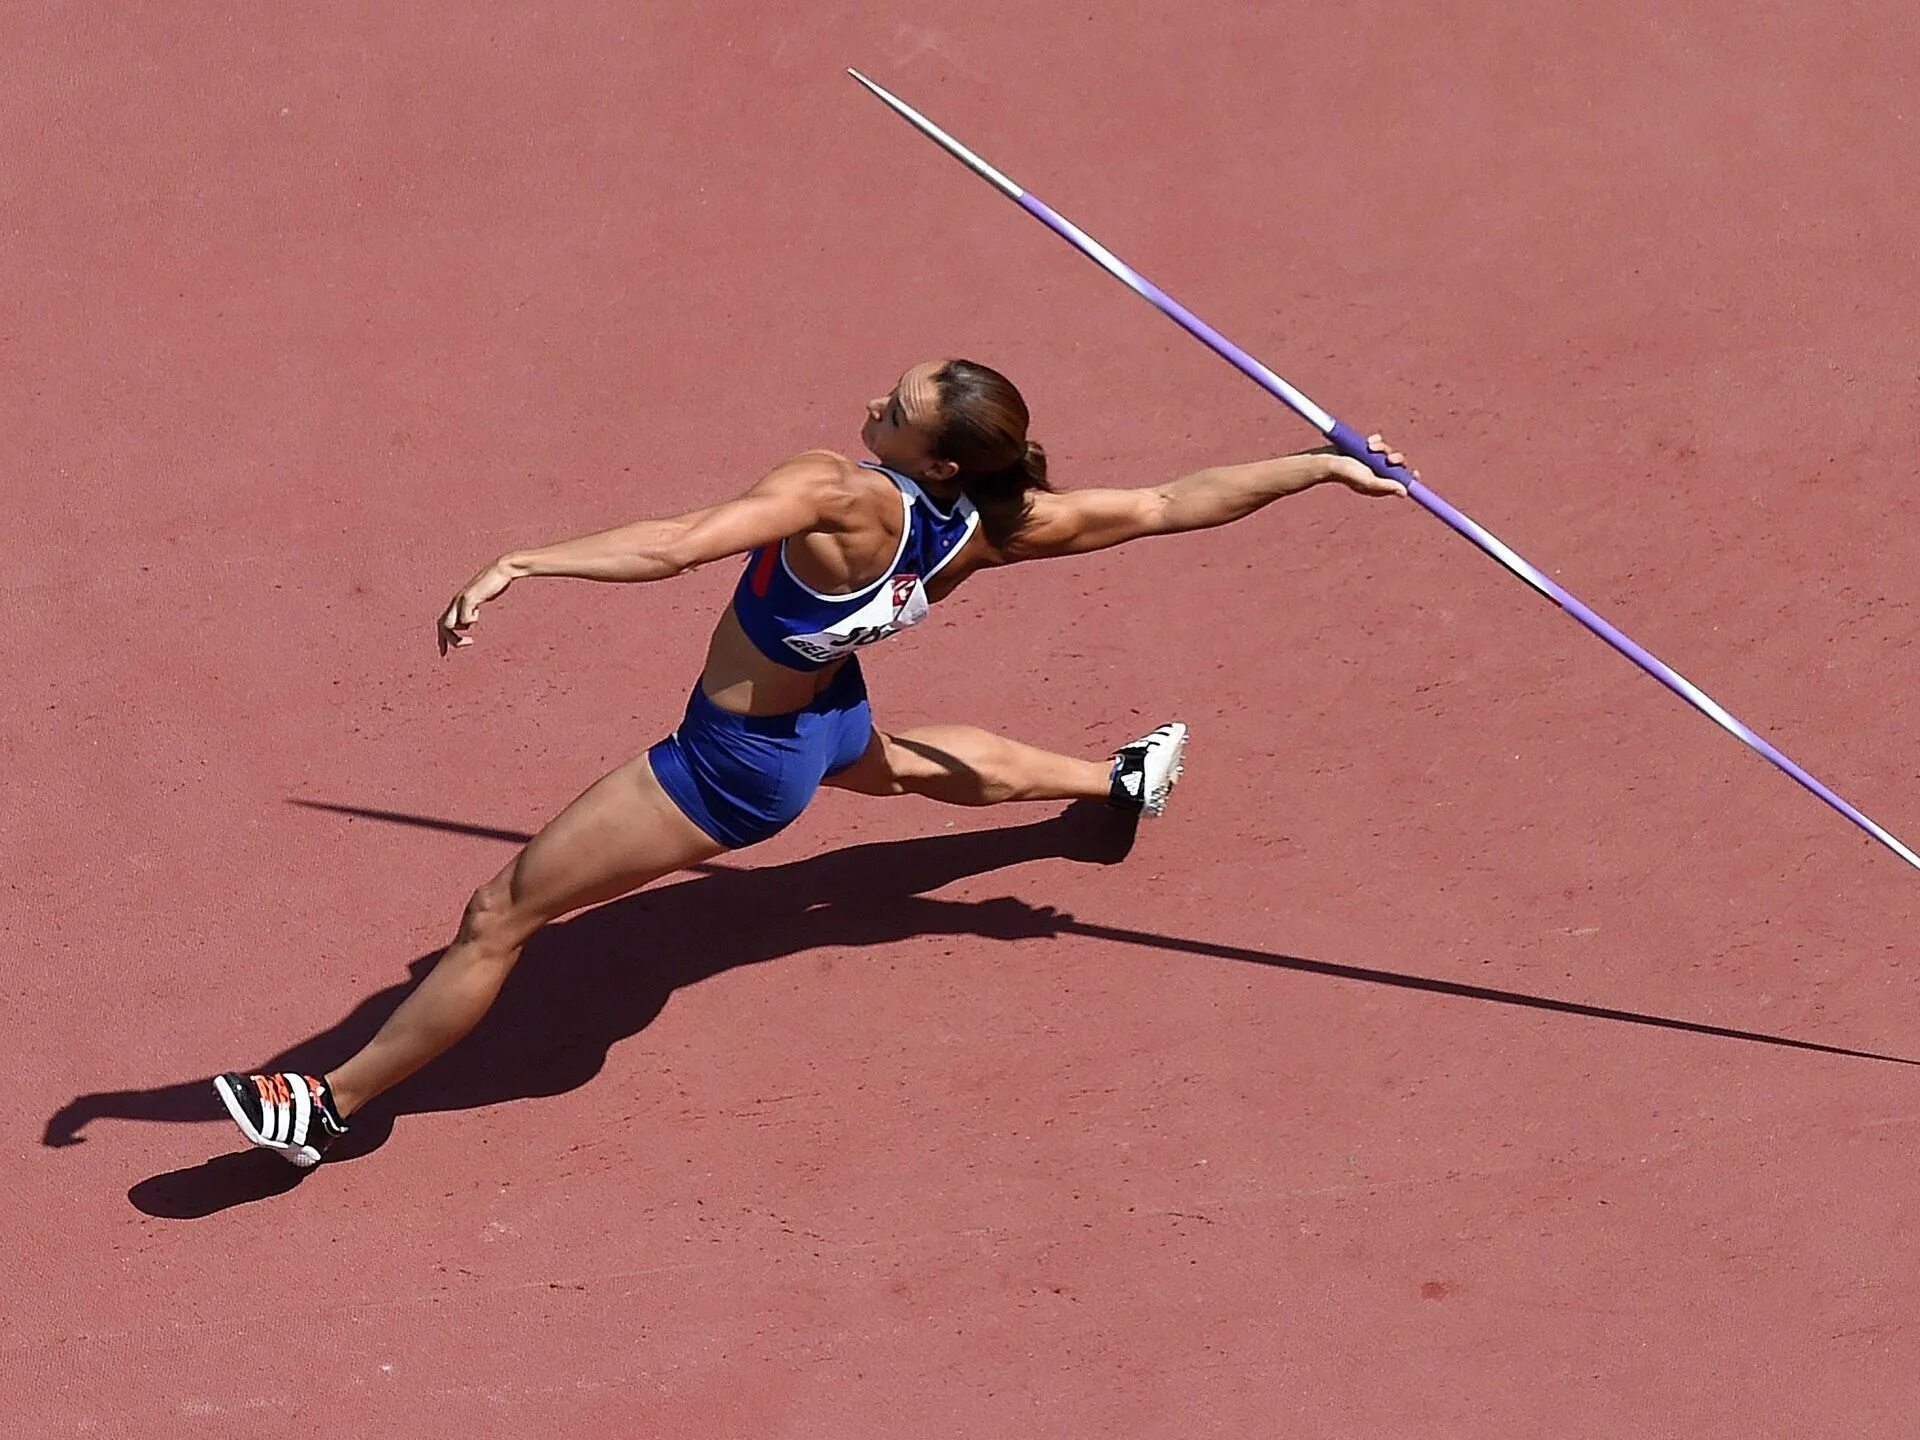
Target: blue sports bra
{"x":801,"y":628}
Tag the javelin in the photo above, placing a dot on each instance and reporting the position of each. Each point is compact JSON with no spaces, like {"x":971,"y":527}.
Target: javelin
{"x":1348,"y":442}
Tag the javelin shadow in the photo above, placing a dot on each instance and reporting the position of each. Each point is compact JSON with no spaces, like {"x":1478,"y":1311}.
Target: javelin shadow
{"x":418,"y":822}
{"x":1461,"y":991}
{"x":588,"y":982}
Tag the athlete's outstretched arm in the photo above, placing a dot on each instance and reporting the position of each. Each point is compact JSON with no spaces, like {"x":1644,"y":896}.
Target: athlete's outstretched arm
{"x":807,"y":492}
{"x":1075,"y":522}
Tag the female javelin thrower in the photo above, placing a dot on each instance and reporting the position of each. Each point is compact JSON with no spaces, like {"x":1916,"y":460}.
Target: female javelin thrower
{"x":839,"y":555}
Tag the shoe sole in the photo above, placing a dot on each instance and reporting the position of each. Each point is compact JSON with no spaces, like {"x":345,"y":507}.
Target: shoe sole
{"x":300,"y":1156}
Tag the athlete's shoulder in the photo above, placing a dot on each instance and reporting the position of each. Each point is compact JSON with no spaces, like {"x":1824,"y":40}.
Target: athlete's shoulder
{"x":840,"y":491}
{"x":826,"y":468}
{"x":814,"y":465}
{"x":819,"y":472}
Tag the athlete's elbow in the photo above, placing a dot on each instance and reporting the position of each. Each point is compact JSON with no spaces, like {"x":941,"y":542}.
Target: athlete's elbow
{"x":1170,"y":513}
{"x":659,"y":565}
{"x":663,"y":564}
{"x":672,"y":553}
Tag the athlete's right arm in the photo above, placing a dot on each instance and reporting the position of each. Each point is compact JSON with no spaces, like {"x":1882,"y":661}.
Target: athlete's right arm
{"x":1078,"y":522}
{"x":808,"y":492}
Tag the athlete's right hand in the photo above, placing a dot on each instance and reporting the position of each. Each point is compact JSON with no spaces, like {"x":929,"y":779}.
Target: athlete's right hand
{"x":464,"y":609}
{"x":1359,"y":478}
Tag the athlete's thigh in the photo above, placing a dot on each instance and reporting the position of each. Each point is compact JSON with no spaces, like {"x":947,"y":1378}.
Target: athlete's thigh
{"x":897,"y":764}
{"x":870,"y":774}
{"x":619,"y":834}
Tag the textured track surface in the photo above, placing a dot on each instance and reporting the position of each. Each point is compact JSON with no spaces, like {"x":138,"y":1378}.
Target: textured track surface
{"x":1447,"y":1063}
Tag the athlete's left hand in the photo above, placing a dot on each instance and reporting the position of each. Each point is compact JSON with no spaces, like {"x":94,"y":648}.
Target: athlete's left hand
{"x":464,"y":609}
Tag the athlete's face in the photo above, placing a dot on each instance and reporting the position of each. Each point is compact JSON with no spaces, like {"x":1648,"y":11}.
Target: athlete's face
{"x":901,"y":426}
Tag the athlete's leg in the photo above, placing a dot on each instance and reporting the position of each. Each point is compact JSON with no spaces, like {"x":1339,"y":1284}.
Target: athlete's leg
{"x":619,"y":835}
{"x":965,"y":765}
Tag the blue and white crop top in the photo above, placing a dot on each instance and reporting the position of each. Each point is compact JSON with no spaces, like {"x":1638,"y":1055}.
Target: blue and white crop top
{"x":799,"y":627}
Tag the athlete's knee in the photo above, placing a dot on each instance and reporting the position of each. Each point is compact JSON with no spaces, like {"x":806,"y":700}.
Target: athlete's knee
{"x":493,"y":920}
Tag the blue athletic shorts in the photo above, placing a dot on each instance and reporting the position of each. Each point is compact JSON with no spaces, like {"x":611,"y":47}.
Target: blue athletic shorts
{"x":743,"y":778}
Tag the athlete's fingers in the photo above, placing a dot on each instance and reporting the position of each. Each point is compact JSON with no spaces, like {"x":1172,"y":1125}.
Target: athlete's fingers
{"x":1377,"y":443}
{"x":452,"y":625}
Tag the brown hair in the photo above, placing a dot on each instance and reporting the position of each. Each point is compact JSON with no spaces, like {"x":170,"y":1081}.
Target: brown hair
{"x":983,"y":430}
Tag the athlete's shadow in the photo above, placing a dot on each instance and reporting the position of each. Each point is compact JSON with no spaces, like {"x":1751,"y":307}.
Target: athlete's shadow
{"x":587,"y":982}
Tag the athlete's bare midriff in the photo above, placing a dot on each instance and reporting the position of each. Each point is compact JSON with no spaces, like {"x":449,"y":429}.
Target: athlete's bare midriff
{"x":737,"y":677}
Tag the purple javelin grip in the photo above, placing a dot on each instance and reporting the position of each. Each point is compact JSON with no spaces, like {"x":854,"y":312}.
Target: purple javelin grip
{"x":1348,"y":442}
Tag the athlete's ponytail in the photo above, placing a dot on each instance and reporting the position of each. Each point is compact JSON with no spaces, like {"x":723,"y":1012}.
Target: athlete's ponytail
{"x":983,"y":430}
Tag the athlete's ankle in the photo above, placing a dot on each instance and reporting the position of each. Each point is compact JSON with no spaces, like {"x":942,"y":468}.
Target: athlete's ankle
{"x":339,"y":1104}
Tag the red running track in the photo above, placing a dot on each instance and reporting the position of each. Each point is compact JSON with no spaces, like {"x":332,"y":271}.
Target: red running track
{"x":1483,"y":1046}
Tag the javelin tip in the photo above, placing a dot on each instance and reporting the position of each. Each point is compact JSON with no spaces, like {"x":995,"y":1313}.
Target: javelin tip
{"x":940,"y":137}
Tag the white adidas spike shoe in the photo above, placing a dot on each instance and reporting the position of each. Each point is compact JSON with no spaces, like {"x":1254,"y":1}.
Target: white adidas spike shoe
{"x":1145,"y":771}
